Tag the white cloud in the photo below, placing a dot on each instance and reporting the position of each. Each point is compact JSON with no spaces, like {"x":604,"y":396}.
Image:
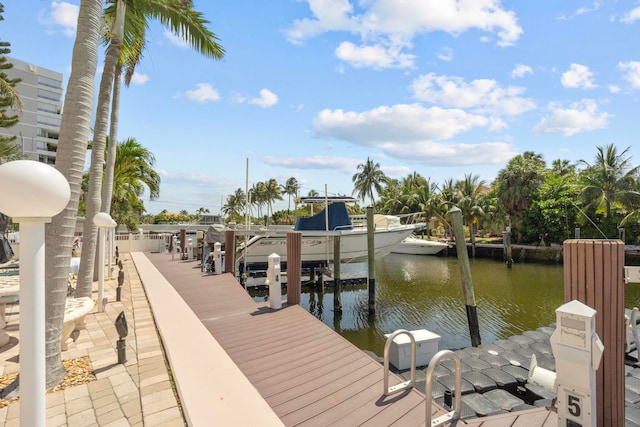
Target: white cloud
{"x":578,"y":76}
{"x":481,"y":95}
{"x":139,"y":79}
{"x":374,"y":56}
{"x":614,"y":89}
{"x":267,"y":99}
{"x":204,"y":93}
{"x":631,"y":16}
{"x":594,"y":6}
{"x":449,"y":153}
{"x":314,"y":162}
{"x":580,"y":117}
{"x":175,"y":39}
{"x":63,"y":14}
{"x":631,"y":72}
{"x":402,"y":122}
{"x":445,"y":54}
{"x":414,"y":133}
{"x":386,"y":27}
{"x":520,"y":71}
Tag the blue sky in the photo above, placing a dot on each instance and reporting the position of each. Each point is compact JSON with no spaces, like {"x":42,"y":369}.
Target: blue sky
{"x":311,"y":88}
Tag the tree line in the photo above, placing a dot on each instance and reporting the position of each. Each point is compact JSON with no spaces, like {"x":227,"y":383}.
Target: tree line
{"x":540,"y":203}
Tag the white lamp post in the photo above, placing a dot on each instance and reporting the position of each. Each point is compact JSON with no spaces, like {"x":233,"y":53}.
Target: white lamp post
{"x":103,"y":220}
{"x":32,"y":193}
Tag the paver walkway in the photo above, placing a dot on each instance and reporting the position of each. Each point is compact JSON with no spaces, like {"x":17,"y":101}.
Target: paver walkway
{"x":137,"y":393}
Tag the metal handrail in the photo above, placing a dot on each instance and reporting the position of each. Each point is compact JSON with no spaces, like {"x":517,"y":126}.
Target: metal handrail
{"x":406,"y":384}
{"x":455,"y":414}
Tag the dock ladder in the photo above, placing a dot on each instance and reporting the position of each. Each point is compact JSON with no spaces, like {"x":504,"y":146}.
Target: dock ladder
{"x":407,"y":384}
{"x":443,"y":354}
{"x":455,"y":414}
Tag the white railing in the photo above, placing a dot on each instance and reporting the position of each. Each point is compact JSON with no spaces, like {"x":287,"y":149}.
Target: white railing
{"x":136,"y":242}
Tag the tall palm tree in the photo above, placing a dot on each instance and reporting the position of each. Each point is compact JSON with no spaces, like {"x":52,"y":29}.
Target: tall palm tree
{"x":258,"y":196}
{"x":133,"y":173}
{"x":518,"y":183}
{"x":290,"y":188}
{"x":272,"y":193}
{"x":235,"y":205}
{"x":611,"y":180}
{"x":70,"y":158}
{"x":470,"y":192}
{"x":183,"y":21}
{"x":368,"y":178}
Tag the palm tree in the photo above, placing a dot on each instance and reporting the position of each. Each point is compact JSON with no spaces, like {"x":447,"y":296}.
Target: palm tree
{"x":133,"y":173}
{"x":470,"y":194}
{"x":70,"y":158}
{"x":518,"y":183}
{"x":234,"y":208}
{"x":369,"y":178}
{"x":611,"y":180}
{"x":182,"y":20}
{"x":272,"y":193}
{"x":290,"y":188}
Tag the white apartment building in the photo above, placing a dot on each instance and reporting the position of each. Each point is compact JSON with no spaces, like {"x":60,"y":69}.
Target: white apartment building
{"x":41,"y":94}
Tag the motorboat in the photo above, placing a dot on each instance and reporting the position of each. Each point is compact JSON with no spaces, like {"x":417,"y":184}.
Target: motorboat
{"x":413,"y":245}
{"x":319,"y":231}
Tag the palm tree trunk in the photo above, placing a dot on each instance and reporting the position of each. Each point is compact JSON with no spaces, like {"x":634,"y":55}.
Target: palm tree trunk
{"x":94,"y":199}
{"x":107,"y":190}
{"x":72,"y":147}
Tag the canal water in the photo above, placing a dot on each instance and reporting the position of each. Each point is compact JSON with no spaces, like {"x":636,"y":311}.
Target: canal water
{"x":425,"y":292}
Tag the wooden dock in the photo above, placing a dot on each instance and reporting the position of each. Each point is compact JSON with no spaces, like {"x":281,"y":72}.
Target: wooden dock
{"x":307,"y":373}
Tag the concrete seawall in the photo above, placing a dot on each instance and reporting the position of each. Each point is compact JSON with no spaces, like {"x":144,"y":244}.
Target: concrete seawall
{"x":530,"y":253}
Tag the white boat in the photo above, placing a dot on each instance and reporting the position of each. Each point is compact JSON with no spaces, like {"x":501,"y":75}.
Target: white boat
{"x":318,"y":233}
{"x":413,"y":245}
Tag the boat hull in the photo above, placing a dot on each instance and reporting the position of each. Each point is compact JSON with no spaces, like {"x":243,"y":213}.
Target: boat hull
{"x":319,"y":249}
{"x":415,"y":246}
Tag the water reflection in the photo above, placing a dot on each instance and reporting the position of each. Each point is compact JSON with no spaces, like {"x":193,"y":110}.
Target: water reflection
{"x":422,"y":292}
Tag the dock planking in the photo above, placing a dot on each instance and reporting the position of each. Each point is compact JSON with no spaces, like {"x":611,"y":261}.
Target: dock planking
{"x":305,"y":371}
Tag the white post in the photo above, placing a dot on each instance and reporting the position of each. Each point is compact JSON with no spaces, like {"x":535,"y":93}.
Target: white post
{"x":100,"y":269}
{"x":110,"y":252}
{"x":102,"y":220}
{"x":217,"y":257}
{"x":189,"y":249}
{"x":32,"y":322}
{"x":273,"y":280}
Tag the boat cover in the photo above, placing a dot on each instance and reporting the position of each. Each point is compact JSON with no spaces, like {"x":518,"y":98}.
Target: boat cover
{"x":214,"y":234}
{"x":338,"y":219}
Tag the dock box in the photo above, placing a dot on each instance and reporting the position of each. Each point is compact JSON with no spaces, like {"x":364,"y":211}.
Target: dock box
{"x":400,"y":349}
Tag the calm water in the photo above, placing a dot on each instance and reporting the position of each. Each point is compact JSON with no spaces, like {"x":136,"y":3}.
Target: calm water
{"x":424,"y":292}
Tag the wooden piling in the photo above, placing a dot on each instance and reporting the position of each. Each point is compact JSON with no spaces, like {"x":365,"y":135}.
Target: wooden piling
{"x":507,"y":247}
{"x":337,"y":305}
{"x":294,"y":267}
{"x":371,"y":252}
{"x":230,"y":251}
{"x":594,"y":275}
{"x":465,"y":272}
{"x":183,"y":243}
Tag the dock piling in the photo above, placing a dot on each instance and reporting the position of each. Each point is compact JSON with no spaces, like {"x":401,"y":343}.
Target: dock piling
{"x":294,"y":267}
{"x":465,"y":272}
{"x":337,"y":305}
{"x":371,"y":250}
{"x":594,"y":275}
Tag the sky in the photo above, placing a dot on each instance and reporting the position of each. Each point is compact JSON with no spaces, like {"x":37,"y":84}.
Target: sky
{"x":310,"y":89}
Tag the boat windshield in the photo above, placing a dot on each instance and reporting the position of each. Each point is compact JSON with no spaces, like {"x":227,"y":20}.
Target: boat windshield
{"x":337,"y":215}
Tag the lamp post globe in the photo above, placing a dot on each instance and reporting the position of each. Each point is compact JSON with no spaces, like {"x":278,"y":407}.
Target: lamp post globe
{"x":32,"y":189}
